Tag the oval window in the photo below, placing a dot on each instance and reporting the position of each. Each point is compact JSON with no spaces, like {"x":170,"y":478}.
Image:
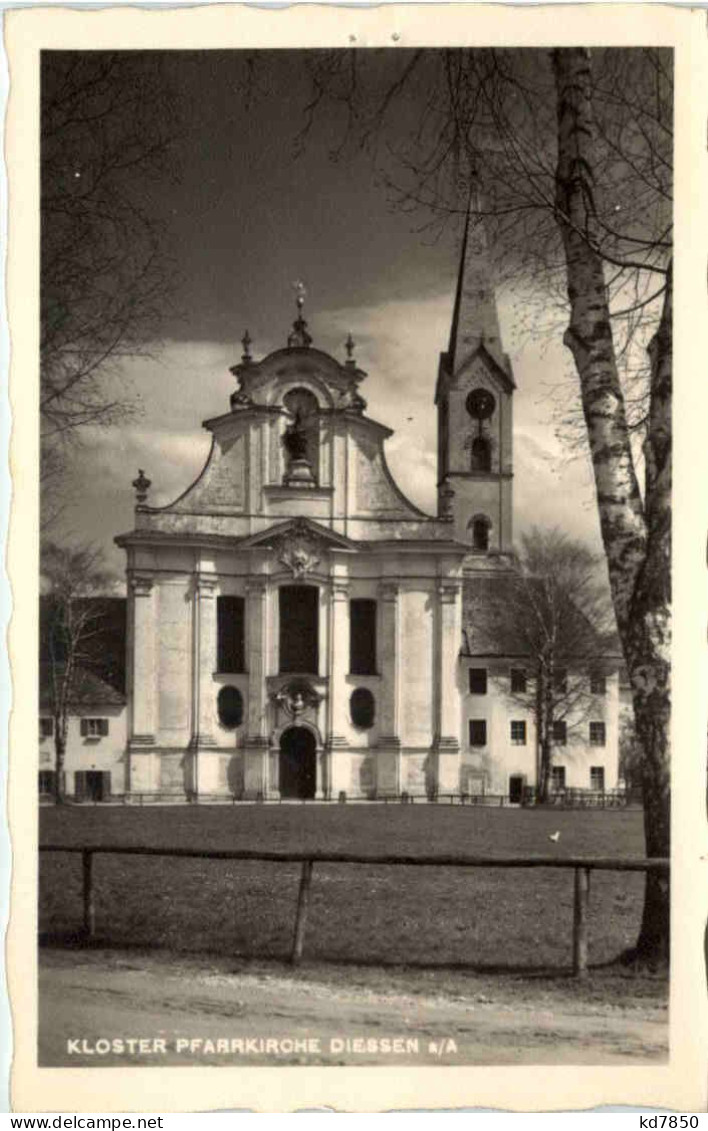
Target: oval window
{"x":362,"y":707}
{"x":229,"y":705}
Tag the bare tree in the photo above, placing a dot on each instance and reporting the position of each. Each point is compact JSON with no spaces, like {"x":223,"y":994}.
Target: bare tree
{"x":107,"y":128}
{"x":573,"y":158}
{"x":558,"y":615}
{"x":73,"y":578}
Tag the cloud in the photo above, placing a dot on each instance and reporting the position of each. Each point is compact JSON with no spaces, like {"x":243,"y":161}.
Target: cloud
{"x":398,"y":342}
{"x":551,"y":491}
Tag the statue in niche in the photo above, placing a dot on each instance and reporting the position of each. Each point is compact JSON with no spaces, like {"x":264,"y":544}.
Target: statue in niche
{"x":300,"y":437}
{"x":295,"y":438}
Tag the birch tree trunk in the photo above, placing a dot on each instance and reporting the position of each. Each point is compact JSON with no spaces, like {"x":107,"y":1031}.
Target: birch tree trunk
{"x":649,"y":638}
{"x":545,"y":769}
{"x":59,"y":758}
{"x":636,"y":534}
{"x":546,"y":732}
{"x":542,"y":775}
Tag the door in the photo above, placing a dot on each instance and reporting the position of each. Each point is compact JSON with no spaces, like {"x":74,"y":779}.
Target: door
{"x":80,"y":785}
{"x":298,"y":763}
{"x":98,"y":785}
{"x":516,"y":789}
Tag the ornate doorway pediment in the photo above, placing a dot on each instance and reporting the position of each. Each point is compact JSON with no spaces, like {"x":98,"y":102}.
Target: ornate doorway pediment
{"x":297,"y":697}
{"x":300,"y":553}
{"x":299,"y":544}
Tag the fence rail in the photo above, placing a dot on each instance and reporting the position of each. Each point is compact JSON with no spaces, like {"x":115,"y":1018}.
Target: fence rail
{"x":563,"y":799}
{"x":581,"y":865}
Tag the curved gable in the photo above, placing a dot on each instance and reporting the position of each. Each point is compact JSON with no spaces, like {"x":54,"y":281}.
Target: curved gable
{"x":221,"y":485}
{"x":376,"y":493}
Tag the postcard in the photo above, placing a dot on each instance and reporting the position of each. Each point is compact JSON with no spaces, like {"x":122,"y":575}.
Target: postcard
{"x":356,"y":552}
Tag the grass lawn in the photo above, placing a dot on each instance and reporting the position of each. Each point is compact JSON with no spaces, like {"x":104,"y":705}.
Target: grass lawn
{"x":359,"y":914}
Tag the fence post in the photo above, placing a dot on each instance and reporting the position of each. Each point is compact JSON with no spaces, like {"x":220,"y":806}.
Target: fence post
{"x":580,"y":922}
{"x":89,"y":909}
{"x":303,"y":901}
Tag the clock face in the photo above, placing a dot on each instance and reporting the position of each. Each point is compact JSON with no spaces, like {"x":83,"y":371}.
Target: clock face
{"x":480,"y":404}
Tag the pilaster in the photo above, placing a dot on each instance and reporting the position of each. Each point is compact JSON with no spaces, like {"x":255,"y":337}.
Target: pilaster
{"x":143,"y":662}
{"x":256,"y":641}
{"x":205,"y":654}
{"x":339,"y":663}
{"x":256,"y":744}
{"x":388,"y":762}
{"x":336,"y":778}
{"x":203,"y":663}
{"x":256,"y":769}
{"x":447,"y":743}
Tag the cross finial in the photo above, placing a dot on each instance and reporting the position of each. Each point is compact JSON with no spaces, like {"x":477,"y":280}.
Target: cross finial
{"x":246,"y":343}
{"x":299,"y":336}
{"x":300,"y":293}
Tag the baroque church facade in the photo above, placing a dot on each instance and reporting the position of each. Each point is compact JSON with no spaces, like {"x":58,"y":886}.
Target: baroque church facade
{"x":298,"y":628}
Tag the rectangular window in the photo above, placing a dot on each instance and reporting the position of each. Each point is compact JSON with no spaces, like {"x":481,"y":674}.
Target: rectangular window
{"x":518,"y":681}
{"x":46,"y":728}
{"x":560,"y":732}
{"x":230,"y":634}
{"x":362,"y":636}
{"x":560,"y":681}
{"x":597,"y":734}
{"x":557,"y":778}
{"x":597,"y":778}
{"x":46,"y":781}
{"x":598,"y":684}
{"x":518,"y":732}
{"x":299,"y":628}
{"x":478,"y":732}
{"x":94,"y":728}
{"x":478,"y":681}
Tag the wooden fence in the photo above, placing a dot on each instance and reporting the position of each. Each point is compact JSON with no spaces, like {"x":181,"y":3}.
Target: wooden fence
{"x":562,"y":799}
{"x":581,"y":865}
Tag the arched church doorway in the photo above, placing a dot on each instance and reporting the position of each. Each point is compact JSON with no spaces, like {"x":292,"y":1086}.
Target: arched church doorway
{"x":298,"y":763}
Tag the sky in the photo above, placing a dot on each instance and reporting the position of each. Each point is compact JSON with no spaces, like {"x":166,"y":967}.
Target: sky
{"x":247,"y":217}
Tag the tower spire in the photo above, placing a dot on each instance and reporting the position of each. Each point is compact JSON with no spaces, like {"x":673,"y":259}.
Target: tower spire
{"x":474,"y":395}
{"x":474,"y":316}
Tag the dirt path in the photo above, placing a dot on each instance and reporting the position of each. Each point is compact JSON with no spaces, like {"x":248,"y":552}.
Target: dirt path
{"x":96,"y":1008}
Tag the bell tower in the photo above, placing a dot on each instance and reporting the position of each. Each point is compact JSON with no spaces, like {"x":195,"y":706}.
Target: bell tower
{"x":474,"y":398}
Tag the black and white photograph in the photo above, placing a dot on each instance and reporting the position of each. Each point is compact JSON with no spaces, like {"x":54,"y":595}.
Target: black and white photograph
{"x":354,"y":555}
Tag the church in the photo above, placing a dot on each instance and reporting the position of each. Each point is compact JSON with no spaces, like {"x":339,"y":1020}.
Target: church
{"x":298,"y":628}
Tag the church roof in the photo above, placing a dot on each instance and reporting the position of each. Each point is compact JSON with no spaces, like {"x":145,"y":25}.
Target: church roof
{"x":104,"y":647}
{"x":88,"y":689}
{"x":489,"y":630}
